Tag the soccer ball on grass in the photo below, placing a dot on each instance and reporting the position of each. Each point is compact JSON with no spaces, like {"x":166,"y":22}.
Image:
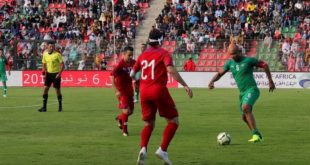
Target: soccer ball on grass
{"x":223,"y":138}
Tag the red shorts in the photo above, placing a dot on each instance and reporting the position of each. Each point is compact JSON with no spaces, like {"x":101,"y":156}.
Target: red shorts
{"x":126,"y":101}
{"x":157,"y":99}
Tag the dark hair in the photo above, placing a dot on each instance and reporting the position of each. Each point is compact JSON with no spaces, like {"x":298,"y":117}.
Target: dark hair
{"x":51,"y":42}
{"x":128,"y":48}
{"x":154,"y":37}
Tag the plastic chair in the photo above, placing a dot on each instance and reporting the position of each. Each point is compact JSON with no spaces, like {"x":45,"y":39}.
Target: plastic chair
{"x":201,"y":62}
{"x":180,"y":56}
{"x":187,"y":56}
{"x":195,"y":56}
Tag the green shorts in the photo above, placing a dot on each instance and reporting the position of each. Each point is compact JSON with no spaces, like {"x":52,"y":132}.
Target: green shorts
{"x":249,"y":97}
{"x":3,"y":76}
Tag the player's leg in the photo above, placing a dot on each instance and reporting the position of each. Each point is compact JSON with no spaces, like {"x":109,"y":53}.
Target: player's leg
{"x":47,"y":84}
{"x":45,"y":97}
{"x":168,"y":135}
{"x":256,"y":135}
{"x":248,"y":101}
{"x":137,"y":91}
{"x":125,"y":115}
{"x":243,"y":115}
{"x":166,"y":108}
{"x":59,"y":98}
{"x":4,"y":87}
{"x":145,"y":137}
{"x":127,"y":106}
{"x":57,"y":86}
{"x":148,"y":116}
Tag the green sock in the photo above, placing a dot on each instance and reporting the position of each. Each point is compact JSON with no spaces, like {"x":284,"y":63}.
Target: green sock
{"x":137,"y":95}
{"x":256,"y":132}
{"x":4,"y":90}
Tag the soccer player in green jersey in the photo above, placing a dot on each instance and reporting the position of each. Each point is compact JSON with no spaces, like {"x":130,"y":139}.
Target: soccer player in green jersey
{"x":3,"y":63}
{"x":242,"y":70}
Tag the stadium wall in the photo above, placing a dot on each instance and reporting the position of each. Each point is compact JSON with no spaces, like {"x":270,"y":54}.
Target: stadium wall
{"x":194,"y":79}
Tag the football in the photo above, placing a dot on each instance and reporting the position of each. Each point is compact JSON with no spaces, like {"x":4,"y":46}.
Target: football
{"x":223,"y":138}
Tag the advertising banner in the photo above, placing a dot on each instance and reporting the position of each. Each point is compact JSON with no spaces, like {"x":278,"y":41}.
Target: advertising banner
{"x":14,"y":79}
{"x":281,"y":79}
{"x":77,"y":79}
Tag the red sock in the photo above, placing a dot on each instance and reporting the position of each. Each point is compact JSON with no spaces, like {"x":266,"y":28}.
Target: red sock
{"x":124,"y":122}
{"x":145,"y":135}
{"x":120,"y":117}
{"x":168,"y":135}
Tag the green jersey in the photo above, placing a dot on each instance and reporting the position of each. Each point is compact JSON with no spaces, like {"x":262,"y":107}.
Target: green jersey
{"x":243,"y":72}
{"x":3,"y":62}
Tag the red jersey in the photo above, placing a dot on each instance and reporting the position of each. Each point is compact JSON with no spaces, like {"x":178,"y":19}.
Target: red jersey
{"x":121,"y":73}
{"x":152,"y":63}
{"x":189,"y":66}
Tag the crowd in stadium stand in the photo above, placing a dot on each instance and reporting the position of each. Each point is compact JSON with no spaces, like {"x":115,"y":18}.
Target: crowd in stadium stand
{"x":75,"y":24}
{"x":215,"y":23}
{"x":83,"y":28}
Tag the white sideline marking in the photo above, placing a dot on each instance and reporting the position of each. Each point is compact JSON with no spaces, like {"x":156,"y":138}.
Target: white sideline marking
{"x":26,"y":106}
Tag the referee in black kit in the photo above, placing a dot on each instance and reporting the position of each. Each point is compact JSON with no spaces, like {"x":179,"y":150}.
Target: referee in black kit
{"x":52,"y":68}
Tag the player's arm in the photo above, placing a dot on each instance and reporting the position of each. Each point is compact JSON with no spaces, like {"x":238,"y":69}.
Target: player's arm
{"x":217,"y":77}
{"x":114,"y":74}
{"x":264,"y":65}
{"x":175,"y":74}
{"x":117,"y":92}
{"x":135,"y":69}
{"x":44,"y":67}
{"x":61,"y":66}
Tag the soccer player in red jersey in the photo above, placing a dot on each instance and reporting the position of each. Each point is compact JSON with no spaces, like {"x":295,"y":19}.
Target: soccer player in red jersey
{"x":122,"y":83}
{"x":155,"y":63}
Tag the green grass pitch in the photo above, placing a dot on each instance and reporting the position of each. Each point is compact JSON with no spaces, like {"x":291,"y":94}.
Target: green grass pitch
{"x":86,"y":133}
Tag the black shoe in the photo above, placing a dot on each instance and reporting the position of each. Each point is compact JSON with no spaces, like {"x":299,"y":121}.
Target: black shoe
{"x":42,"y":109}
{"x":60,"y":109}
{"x":119,"y":123}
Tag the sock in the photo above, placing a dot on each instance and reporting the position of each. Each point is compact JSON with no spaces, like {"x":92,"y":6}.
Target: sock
{"x":120,"y":116}
{"x":45,"y":97}
{"x":4,"y":90}
{"x":168,"y":135}
{"x":137,"y":95}
{"x":145,"y":135}
{"x":124,"y":122}
{"x":256,"y":132}
{"x":59,"y":97}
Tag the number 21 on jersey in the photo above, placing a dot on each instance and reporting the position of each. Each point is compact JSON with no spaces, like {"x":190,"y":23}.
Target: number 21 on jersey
{"x":145,"y":64}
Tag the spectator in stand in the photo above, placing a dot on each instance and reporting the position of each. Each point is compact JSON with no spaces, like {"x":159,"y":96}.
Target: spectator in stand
{"x":189,"y":65}
{"x":307,"y":57}
{"x":98,"y":61}
{"x":82,"y":63}
{"x":190,"y":46}
{"x":286,"y":47}
{"x":103,"y":64}
{"x":267,"y":41}
{"x":295,"y":51}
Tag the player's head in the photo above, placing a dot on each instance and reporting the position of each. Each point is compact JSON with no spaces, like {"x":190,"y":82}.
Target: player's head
{"x":235,"y":52}
{"x":128,"y":53}
{"x":50,"y":46}
{"x":155,"y":38}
